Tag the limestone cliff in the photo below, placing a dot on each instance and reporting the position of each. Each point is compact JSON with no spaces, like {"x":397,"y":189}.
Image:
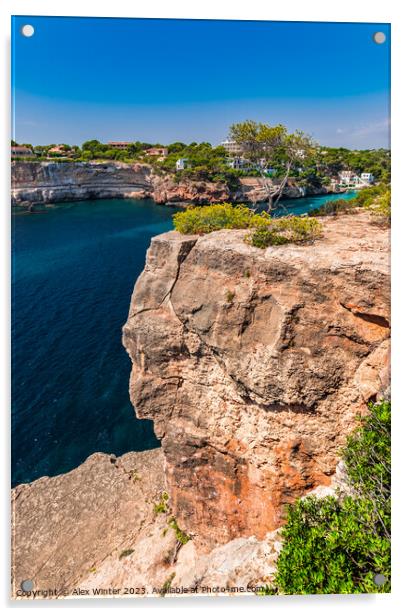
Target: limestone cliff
{"x":254,"y":364}
{"x":34,"y":182}
{"x":52,"y":182}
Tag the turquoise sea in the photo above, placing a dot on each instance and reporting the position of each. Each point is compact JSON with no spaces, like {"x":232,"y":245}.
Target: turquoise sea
{"x":73,"y":271}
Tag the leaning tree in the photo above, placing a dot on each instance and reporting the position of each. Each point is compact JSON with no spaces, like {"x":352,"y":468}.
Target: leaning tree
{"x":261,"y":142}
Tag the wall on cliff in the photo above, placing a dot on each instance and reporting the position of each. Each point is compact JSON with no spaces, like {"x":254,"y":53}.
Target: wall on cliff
{"x":53,"y":182}
{"x":254,"y":364}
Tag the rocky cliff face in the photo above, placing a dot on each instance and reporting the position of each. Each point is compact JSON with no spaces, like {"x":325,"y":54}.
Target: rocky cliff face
{"x":96,"y":528}
{"x":49,"y":182}
{"x":253,"y":365}
{"x":54,"y":182}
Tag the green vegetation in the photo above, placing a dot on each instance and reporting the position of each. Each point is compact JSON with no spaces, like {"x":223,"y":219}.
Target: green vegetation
{"x":229,"y":296}
{"x":181,"y":536}
{"x":339,"y":545}
{"x":330,"y":161}
{"x":267,"y":146}
{"x":267,"y":231}
{"x":220,"y":216}
{"x":290,"y":229}
{"x":375,"y":199}
{"x":381,"y":206}
{"x":162,"y":505}
{"x":203,"y":162}
{"x":125,"y":553}
{"x":167,"y":585}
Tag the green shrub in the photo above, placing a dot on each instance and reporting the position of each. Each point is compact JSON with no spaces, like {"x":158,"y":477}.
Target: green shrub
{"x":209,"y":218}
{"x":336,"y":545}
{"x":161,"y":506}
{"x":262,"y":238}
{"x":290,"y":229}
{"x":167,"y":584}
{"x":377,"y":199}
{"x":381,"y":206}
{"x":366,"y":196}
{"x":181,"y":536}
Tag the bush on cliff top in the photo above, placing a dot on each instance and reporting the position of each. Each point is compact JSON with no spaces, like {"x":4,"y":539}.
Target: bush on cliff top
{"x":339,"y":545}
{"x":204,"y":219}
{"x":375,"y":199}
{"x":288,"y":230}
{"x":268,"y":231}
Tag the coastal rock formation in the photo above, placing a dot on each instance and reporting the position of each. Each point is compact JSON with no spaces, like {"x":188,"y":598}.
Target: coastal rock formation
{"x":64,"y":527}
{"x":96,"y":529}
{"x":52,"y":182}
{"x":49,"y":182}
{"x":166,"y":190}
{"x":254,"y":364}
{"x":253,"y":190}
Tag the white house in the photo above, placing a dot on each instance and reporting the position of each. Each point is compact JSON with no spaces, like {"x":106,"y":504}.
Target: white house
{"x":237,"y":162}
{"x":367,"y":178}
{"x":347,"y":177}
{"x":181,"y":164}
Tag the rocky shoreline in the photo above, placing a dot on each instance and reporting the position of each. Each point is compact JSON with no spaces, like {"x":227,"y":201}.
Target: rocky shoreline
{"x":36,"y":183}
{"x":254,"y":366}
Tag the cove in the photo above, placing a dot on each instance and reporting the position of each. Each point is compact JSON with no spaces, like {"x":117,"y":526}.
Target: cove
{"x":74,"y":267}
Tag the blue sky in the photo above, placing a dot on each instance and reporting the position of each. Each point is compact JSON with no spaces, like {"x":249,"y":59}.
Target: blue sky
{"x":185,"y":80}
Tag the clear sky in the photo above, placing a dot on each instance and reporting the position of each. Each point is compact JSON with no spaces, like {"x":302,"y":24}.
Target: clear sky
{"x":187,"y":80}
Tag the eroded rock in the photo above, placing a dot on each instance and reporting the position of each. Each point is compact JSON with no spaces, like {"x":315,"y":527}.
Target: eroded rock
{"x":248,"y":362}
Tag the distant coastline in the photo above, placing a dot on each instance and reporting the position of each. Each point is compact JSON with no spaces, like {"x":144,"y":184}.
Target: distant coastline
{"x":35,"y":183}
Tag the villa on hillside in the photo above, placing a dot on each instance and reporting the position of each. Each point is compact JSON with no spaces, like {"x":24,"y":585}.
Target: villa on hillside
{"x":232,"y":147}
{"x":181,"y":163}
{"x":119,"y":145}
{"x":238,"y":162}
{"x":157,"y":152}
{"x":20,"y":151}
{"x":367,"y":177}
{"x":350,"y":179}
{"x":59,"y":150}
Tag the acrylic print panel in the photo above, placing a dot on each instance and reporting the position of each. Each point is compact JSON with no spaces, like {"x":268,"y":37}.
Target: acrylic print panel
{"x":200,"y":309}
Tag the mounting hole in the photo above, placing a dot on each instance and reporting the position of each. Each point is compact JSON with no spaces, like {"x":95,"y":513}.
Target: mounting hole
{"x":379,"y":38}
{"x":27,"y":30}
{"x":380,"y":579}
{"x":27,"y":585}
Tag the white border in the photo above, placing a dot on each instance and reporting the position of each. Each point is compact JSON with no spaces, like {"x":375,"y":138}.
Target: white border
{"x":296,"y":10}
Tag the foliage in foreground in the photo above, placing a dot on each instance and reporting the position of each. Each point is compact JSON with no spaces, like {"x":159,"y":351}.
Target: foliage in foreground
{"x":268,"y":231}
{"x":291,"y":229}
{"x":338,"y":545}
{"x":210,"y":218}
{"x":375,"y":199}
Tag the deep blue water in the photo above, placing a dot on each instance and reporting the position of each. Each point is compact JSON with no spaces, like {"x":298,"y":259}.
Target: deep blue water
{"x":74,"y":268}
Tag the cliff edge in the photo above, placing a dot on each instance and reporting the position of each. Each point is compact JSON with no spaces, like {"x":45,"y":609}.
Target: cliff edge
{"x":254,"y":365}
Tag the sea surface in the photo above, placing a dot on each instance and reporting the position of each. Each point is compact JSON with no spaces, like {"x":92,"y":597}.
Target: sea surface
{"x":73,"y":271}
